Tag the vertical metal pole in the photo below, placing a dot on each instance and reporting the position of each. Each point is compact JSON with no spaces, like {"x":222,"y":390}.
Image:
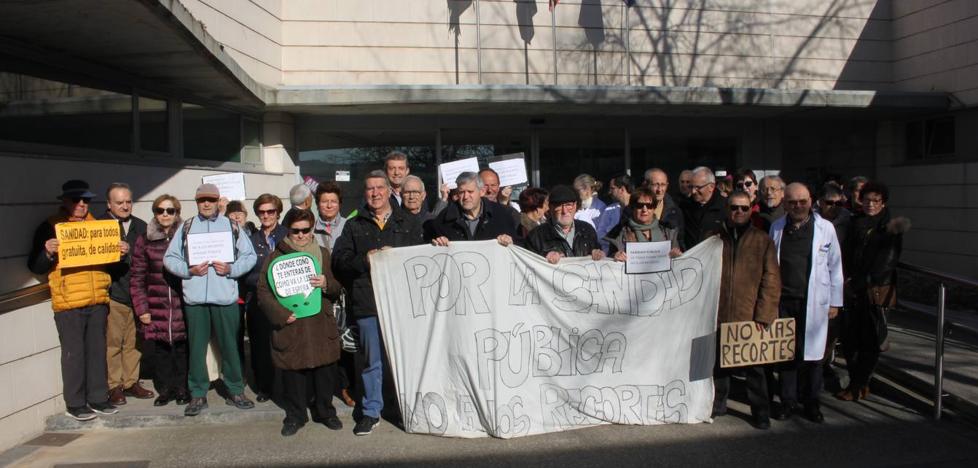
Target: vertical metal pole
{"x":438,"y":157}
{"x":628,"y":152}
{"x":535,"y":157}
{"x":939,"y":354}
{"x":478,"y":40}
{"x":628,"y":54}
{"x":553,"y":30}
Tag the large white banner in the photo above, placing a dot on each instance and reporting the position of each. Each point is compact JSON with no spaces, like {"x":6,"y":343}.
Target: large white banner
{"x":491,"y":340}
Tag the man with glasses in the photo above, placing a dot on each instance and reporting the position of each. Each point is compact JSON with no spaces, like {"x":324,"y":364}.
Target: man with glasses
{"x":210,"y":298}
{"x":413,"y":196}
{"x":750,"y":288}
{"x":705,"y":210}
{"x":563,"y":236}
{"x":771,"y":195}
{"x":79,"y":298}
{"x":811,"y":293}
{"x":666,"y":211}
{"x":831,"y":207}
{"x":120,"y":337}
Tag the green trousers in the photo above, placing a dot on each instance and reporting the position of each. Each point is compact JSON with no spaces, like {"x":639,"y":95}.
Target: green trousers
{"x":224,"y":322}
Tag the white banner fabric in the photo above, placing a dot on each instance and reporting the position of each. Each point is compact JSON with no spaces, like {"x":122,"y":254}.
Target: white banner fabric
{"x":491,"y":340}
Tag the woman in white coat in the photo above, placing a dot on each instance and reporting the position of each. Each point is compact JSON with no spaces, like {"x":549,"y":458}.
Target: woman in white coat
{"x":811,"y":275}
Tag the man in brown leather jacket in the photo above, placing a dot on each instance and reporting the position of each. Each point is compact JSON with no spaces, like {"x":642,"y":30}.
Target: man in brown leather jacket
{"x":750,"y":289}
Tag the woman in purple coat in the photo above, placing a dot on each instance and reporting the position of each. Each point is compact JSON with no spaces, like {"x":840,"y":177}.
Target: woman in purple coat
{"x":156,"y":299}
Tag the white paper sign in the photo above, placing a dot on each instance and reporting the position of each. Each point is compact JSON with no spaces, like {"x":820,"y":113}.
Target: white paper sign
{"x":342,"y":176}
{"x":231,"y":185}
{"x":511,"y":171}
{"x":292,"y":276}
{"x":647,"y":257}
{"x":449,"y":171}
{"x":492,"y":340}
{"x":210,"y":246}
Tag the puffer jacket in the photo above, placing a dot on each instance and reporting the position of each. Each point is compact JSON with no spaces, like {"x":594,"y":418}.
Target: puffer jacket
{"x":544,"y":239}
{"x":308,"y":342}
{"x":750,"y":281}
{"x":71,"y":288}
{"x":155,"y":290}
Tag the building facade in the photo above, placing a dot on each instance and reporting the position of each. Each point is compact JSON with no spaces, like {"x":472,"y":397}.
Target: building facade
{"x":158,"y":93}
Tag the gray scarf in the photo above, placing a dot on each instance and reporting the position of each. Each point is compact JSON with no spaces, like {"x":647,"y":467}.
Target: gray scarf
{"x":640,"y":229}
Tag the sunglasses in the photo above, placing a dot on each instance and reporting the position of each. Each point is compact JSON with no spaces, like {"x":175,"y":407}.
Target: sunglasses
{"x":647,"y":206}
{"x":206,"y":200}
{"x":833,"y":203}
{"x":741,"y":208}
{"x":267,"y":212}
{"x":300,"y":231}
{"x":169,"y":211}
{"x":746,"y":183}
{"x":87,"y":200}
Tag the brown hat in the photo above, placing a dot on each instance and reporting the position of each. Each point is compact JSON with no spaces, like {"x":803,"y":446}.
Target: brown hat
{"x":207,"y":191}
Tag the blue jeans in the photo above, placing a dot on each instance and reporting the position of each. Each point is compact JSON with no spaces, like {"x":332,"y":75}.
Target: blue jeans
{"x":373,"y":373}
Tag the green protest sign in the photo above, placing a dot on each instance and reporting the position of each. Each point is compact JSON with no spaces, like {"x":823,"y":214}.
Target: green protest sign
{"x":288,"y":277}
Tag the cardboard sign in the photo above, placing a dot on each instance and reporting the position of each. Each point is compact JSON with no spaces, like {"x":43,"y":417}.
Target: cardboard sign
{"x":742,"y":344}
{"x":210,"y":246}
{"x":450,"y":171}
{"x":86,"y":243}
{"x":512,"y":170}
{"x":288,"y":276}
{"x":231,"y":186}
{"x":647,"y":257}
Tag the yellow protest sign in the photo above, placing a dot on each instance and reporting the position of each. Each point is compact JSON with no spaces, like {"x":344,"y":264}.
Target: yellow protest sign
{"x":85,"y":243}
{"x":742,"y":344}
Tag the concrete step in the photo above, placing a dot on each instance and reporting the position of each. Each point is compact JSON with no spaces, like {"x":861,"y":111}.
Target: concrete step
{"x":141,"y":413}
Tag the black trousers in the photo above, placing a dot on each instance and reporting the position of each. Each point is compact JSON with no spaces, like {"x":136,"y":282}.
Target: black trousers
{"x":860,"y":343}
{"x":831,"y":379}
{"x":756,"y":388}
{"x":260,"y":340}
{"x":296,"y":385}
{"x":170,"y":363}
{"x":83,"y":364}
{"x":801,"y":380}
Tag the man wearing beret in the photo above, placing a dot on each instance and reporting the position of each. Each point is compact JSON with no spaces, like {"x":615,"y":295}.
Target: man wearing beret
{"x":210,"y":297}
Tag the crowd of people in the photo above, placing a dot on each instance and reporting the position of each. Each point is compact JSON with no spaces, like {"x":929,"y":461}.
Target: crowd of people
{"x":827,"y":260}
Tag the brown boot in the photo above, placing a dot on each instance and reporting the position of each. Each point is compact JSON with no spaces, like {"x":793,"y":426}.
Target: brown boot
{"x":864,"y":392}
{"x":847,"y":395}
{"x":116,"y":396}
{"x":137,"y":391}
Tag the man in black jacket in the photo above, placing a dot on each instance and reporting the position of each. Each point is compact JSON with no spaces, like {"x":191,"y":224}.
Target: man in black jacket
{"x":704,"y":210}
{"x":121,"y":354}
{"x":377,"y":226}
{"x":472,"y":217}
{"x":564,"y":236}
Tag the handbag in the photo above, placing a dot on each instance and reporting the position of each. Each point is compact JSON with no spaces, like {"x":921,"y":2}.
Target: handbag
{"x":349,"y":334}
{"x":877,"y":315}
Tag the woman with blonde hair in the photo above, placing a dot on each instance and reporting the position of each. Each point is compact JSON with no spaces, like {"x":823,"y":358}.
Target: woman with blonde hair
{"x":591,"y":206}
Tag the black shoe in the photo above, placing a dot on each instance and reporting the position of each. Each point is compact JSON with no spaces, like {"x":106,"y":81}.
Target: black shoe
{"x":717,"y":412}
{"x":334,"y":423}
{"x":814,"y":414}
{"x":195,"y":406}
{"x":290,"y":428}
{"x":103,"y":408}
{"x":261,"y":397}
{"x":183,"y":399}
{"x":783,"y":412}
{"x":762,"y":422}
{"x":240,"y":401}
{"x":162,"y":400}
{"x":81,"y":413}
{"x":365,"y":426}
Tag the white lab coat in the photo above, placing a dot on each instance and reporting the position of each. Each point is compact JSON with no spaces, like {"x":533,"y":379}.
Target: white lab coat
{"x":824,"y":282}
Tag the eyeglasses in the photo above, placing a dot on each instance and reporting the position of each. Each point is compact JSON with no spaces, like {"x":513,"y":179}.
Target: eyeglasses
{"x":300,"y":231}
{"x":169,"y":211}
{"x":741,"y":208}
{"x":206,"y":200}
{"x":875,"y":201}
{"x":832,"y":203}
{"x":746,"y":183}
{"x":416,"y":193}
{"x":701,"y":187}
{"x":640,"y":205}
{"x":87,"y":200}
{"x":267,"y":212}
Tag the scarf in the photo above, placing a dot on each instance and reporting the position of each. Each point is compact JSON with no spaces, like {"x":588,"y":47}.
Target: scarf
{"x":640,"y":229}
{"x":312,"y":248}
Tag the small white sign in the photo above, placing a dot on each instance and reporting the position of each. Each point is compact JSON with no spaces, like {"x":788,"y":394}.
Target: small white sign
{"x":647,"y":257}
{"x":449,"y":171}
{"x":292,"y":276}
{"x":342,"y":176}
{"x":511,"y":171}
{"x":209,"y":247}
{"x":231,"y":185}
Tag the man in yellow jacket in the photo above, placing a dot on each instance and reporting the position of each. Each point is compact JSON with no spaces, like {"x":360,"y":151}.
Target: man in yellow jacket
{"x":80,"y":298}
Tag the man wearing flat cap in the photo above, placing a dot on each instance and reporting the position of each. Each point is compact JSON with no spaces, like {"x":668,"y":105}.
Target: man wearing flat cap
{"x":79,"y":298}
{"x":563,"y":236}
{"x":210,"y":298}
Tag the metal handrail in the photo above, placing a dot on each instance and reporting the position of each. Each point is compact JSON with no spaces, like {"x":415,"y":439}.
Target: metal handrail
{"x":944,"y":278}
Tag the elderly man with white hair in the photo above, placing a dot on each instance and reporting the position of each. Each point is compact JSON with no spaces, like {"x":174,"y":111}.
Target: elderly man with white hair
{"x":300,"y":196}
{"x":705,"y":210}
{"x":770,"y":194}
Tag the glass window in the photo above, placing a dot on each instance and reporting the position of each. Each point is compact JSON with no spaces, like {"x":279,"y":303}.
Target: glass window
{"x":154,"y":132}
{"x":251,"y":141}
{"x":211,"y":134}
{"x":487,"y":146}
{"x":931,"y":138}
{"x":567,"y":153}
{"x":35,"y":110}
{"x":676,"y":154}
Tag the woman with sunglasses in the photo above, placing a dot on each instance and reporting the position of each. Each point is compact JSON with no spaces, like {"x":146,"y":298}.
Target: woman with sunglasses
{"x":156,"y":297}
{"x":269,"y":234}
{"x":641,"y":226}
{"x":305,"y":350}
{"x":745,"y":181}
